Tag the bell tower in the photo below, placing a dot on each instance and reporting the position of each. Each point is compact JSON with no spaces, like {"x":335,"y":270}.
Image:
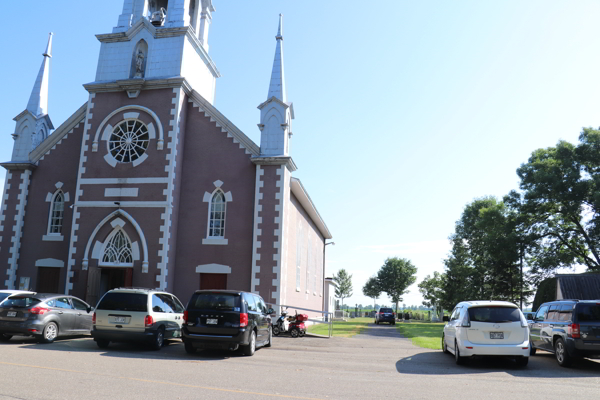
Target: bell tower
{"x":156,"y":40}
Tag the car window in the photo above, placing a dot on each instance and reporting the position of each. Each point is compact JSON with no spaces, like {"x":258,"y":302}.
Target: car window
{"x":494,"y":314}
{"x":178,"y":306}
{"x":116,"y":301}
{"x":20,"y":302}
{"x":63,"y":302}
{"x":552,"y":313}
{"x":251,"y":303}
{"x":3,"y":296}
{"x":455,"y":314}
{"x":158,"y":305}
{"x":168,"y":302}
{"x":215,"y":301}
{"x":564,"y":314}
{"x":51,"y":303}
{"x":588,"y":312}
{"x":386,"y":310}
{"x":260,"y":306}
{"x":79,"y":305}
{"x":540,"y":315}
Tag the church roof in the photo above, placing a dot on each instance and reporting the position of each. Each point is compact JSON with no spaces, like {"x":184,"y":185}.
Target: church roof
{"x":306,"y":202}
{"x":579,"y":286}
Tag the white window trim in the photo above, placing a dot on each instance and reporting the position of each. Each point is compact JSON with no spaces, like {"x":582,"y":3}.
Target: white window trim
{"x":109,"y":158}
{"x":107,"y":242}
{"x":49,"y":236}
{"x":216,"y":240}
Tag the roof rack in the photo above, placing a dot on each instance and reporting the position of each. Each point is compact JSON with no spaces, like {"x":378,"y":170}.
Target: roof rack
{"x":133,"y":287}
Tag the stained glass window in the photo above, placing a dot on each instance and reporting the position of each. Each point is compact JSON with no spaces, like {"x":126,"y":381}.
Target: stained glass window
{"x":118,"y":250}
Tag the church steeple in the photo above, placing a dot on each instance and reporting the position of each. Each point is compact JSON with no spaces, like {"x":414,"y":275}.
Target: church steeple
{"x":276,"y":113}
{"x":38,"y":101}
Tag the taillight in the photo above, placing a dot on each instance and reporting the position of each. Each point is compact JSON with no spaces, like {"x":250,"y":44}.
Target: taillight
{"x":394,"y":314}
{"x":39,"y":310}
{"x":185,"y":316}
{"x":94,"y":318}
{"x":148,"y":321}
{"x":574,"y":331}
{"x":243,"y":319}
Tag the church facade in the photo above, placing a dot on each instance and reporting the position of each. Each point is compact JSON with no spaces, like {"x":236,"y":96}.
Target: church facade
{"x":147,"y":184}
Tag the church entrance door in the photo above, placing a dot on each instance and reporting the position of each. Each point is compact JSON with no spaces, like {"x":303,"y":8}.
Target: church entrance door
{"x":47,"y":280}
{"x":213,"y":281}
{"x":111,"y":278}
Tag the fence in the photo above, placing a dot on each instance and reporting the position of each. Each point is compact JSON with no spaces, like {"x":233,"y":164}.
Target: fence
{"x":326,"y":319}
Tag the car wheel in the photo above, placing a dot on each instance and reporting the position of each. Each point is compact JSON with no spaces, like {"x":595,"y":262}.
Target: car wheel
{"x":532,"y":351}
{"x":276,"y":330}
{"x":189,"y":348}
{"x":4,"y":337}
{"x":251,"y":348}
{"x":103,"y":344}
{"x":159,"y":339}
{"x":50,"y":332}
{"x":459,"y":360}
{"x":444,"y":345}
{"x":270,"y":338}
{"x":294,"y":332}
{"x":522,"y":361}
{"x":394,"y":323}
{"x":562,"y":355}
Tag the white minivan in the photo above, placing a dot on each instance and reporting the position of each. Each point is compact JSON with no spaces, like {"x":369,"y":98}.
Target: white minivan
{"x":487,"y":328}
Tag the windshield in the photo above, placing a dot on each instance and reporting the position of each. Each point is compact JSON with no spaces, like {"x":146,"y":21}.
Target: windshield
{"x":135,"y":302}
{"x":494,"y":314}
{"x":215,"y":301}
{"x":588,"y":312}
{"x":386,"y":310}
{"x":3,"y":296}
{"x":20,"y":302}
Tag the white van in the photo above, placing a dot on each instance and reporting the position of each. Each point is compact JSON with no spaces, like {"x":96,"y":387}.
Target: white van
{"x":487,"y":328}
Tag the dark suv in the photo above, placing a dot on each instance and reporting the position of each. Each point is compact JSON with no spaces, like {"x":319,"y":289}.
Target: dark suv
{"x":226,"y":319}
{"x":385,"y":315}
{"x":568,"y":328}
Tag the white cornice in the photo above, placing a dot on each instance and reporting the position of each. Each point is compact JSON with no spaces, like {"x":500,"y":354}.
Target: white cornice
{"x":308,"y":205}
{"x":139,"y":84}
{"x":280,"y":160}
{"x":225,"y":124}
{"x":58,"y":134}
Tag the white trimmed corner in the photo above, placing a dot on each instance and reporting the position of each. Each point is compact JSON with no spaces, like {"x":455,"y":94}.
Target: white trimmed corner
{"x":215,"y":241}
{"x":53,"y":238}
{"x":213,"y":269}
{"x":50,"y":262}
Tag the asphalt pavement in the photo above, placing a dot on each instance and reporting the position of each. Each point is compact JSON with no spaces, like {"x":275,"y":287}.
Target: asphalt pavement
{"x":378,"y":364}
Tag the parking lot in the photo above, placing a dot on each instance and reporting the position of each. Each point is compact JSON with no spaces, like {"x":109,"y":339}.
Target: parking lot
{"x":375,"y":365}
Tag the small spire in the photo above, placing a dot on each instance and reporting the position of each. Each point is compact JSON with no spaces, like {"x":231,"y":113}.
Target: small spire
{"x":277,"y":85}
{"x":38,"y":101}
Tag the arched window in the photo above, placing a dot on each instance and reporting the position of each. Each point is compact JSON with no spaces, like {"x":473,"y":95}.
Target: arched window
{"x":57,"y":210}
{"x":118,"y":250}
{"x":216,"y":223}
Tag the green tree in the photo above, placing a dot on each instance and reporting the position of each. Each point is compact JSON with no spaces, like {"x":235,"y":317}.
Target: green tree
{"x":344,"y":285}
{"x":372,"y":289}
{"x":431,"y":288}
{"x":395,"y":276}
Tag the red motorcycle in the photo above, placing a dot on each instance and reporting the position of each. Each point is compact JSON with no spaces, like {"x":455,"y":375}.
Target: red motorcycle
{"x":297,"y":327}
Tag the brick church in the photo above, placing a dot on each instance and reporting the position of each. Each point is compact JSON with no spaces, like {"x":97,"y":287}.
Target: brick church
{"x":147,"y":184}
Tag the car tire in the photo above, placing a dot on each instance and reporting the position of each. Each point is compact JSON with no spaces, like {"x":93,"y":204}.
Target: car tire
{"x":444,"y":345}
{"x":5,"y":337}
{"x":269,"y":342}
{"x":159,"y":339}
{"x":295,"y":332}
{"x":189,"y":348}
{"x":457,"y":357}
{"x":102,"y":343}
{"x":532,"y":351}
{"x":276,"y":330}
{"x":49,"y":333}
{"x":562,"y":355}
{"x":522,"y":361}
{"x":394,"y":323}
{"x":251,"y":347}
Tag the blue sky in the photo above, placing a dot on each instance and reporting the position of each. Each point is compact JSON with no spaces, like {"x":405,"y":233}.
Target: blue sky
{"x":405,"y":111}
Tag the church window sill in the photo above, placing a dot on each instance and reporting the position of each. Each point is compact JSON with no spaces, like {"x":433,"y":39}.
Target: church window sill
{"x":53,"y":238}
{"x":215,"y":241}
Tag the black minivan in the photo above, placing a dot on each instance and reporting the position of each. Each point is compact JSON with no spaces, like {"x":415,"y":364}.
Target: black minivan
{"x":567,"y":328}
{"x":226,"y":319}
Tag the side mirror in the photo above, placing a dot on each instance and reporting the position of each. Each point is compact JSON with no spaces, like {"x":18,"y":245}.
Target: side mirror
{"x":89,"y":310}
{"x":270,"y":311}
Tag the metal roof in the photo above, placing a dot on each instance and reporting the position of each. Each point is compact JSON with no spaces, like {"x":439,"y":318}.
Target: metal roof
{"x":580,"y":286}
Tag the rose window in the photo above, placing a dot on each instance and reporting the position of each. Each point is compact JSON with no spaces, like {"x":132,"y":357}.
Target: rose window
{"x":129,"y":141}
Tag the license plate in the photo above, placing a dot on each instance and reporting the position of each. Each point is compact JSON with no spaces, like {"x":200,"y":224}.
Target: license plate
{"x":211,"y":321}
{"x":120,"y":320}
{"x":11,"y":314}
{"x":496,"y":335}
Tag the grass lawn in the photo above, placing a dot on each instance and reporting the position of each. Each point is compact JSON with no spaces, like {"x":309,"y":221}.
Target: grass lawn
{"x":423,"y":334}
{"x":342,"y":329}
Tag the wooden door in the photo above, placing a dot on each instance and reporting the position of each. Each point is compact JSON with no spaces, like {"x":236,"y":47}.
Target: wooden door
{"x":213,"y":281}
{"x":48,"y":280}
{"x":93,"y":286}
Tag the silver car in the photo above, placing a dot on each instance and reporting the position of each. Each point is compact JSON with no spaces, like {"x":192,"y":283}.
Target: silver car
{"x":44,"y":315}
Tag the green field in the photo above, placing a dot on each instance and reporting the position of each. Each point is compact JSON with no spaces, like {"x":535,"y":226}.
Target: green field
{"x":349,"y":328}
{"x":423,"y":334}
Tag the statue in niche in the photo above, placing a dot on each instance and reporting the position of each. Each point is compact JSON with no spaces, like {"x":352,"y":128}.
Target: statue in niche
{"x":139,"y":64}
{"x":158,"y":17}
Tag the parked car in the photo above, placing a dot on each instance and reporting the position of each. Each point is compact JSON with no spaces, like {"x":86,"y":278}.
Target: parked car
{"x":226,"y":319}
{"x":568,"y":328}
{"x":529,"y":316}
{"x":5,"y":293}
{"x":487,"y":328}
{"x":385,"y":315}
{"x":44,"y":315}
{"x":137,"y":314}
